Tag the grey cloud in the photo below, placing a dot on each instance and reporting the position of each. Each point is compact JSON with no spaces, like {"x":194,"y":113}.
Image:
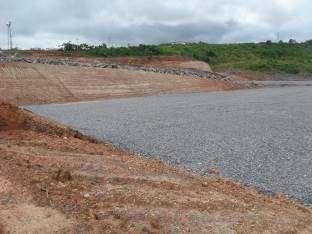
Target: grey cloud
{"x":47,"y":23}
{"x":160,"y":33}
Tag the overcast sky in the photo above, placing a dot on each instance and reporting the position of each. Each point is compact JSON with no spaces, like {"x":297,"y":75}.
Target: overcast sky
{"x":48,"y":23}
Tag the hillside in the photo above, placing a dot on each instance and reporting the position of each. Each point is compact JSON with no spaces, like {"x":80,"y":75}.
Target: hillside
{"x":288,"y":58}
{"x":29,"y":83}
{"x":263,"y":57}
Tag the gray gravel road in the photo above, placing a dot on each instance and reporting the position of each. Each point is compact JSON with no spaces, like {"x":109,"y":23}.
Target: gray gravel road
{"x":283,"y":83}
{"x":262,"y":137}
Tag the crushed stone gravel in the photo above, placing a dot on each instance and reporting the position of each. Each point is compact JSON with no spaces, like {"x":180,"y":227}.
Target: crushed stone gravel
{"x":261,"y":137}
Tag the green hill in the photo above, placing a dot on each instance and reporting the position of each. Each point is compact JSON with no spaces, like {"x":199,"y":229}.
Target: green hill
{"x":291,"y":58}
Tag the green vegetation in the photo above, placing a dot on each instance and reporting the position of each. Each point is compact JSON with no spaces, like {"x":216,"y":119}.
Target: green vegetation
{"x":291,"y":57}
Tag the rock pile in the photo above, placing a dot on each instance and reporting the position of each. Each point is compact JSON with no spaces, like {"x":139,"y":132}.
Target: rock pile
{"x":173,"y":71}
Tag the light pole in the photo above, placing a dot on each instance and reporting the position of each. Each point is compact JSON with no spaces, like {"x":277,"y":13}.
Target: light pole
{"x":77,"y":44}
{"x":9,"y":24}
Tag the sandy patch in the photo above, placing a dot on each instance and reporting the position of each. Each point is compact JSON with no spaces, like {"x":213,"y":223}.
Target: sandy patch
{"x":5,"y":185}
{"x":31,"y":219}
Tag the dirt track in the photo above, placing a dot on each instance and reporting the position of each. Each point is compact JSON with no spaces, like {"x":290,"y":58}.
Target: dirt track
{"x":22,"y":83}
{"x":52,"y":177}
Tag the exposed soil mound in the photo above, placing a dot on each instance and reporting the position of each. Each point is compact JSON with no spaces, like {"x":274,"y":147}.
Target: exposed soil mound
{"x":13,"y":118}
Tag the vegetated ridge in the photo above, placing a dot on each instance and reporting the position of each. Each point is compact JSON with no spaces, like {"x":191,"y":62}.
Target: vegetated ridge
{"x":289,"y":58}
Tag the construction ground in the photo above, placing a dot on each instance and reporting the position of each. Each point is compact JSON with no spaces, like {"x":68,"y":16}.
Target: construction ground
{"x":54,"y":179}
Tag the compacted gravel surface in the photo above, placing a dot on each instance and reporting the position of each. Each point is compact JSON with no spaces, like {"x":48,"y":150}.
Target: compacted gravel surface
{"x":261,"y":137}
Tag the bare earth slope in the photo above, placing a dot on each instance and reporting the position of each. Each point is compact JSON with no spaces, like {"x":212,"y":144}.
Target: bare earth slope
{"x":22,"y":83}
{"x":162,"y":61}
{"x":153,"y":61}
{"x":53,"y":178}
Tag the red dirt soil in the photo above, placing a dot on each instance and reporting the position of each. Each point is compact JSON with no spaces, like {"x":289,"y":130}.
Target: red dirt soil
{"x":53,"y":178}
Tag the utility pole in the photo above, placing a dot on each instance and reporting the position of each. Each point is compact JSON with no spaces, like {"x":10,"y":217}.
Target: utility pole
{"x":278,"y":36}
{"x":77,"y":44}
{"x":10,"y":43}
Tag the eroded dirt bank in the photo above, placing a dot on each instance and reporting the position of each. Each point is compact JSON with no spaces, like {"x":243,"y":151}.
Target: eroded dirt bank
{"x":53,"y":178}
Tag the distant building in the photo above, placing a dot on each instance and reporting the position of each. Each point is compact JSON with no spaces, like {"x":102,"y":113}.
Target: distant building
{"x":178,"y":43}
